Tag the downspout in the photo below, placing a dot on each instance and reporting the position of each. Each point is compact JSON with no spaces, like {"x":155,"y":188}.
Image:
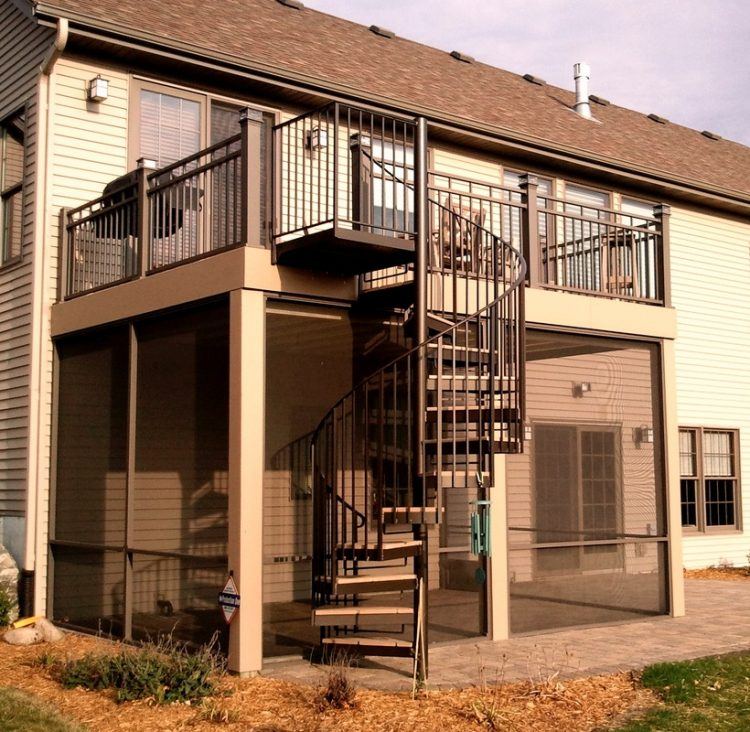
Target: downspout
{"x":35,"y":464}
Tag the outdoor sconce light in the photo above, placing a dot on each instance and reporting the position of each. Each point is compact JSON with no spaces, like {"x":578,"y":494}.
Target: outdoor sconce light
{"x":98,"y":89}
{"x":527,"y":432}
{"x":317,"y":138}
{"x":644,"y":435}
{"x":580,"y":389}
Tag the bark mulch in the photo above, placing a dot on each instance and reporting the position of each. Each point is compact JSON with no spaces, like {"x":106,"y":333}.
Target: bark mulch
{"x":268,"y":705}
{"x":733,"y":574}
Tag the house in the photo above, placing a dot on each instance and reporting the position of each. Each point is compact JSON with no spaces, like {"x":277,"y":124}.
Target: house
{"x":411,"y":348}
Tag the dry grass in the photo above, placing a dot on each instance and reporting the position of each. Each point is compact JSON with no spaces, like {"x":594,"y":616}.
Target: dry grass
{"x":267,"y":705}
{"x":733,"y":574}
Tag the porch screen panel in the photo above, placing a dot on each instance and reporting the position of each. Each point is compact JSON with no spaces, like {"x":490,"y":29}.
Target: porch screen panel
{"x":90,"y":479}
{"x":586,"y":516}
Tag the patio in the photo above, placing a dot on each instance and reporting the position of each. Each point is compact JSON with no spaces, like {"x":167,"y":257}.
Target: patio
{"x":717,"y":621}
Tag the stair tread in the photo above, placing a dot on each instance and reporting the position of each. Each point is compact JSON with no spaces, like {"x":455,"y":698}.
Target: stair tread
{"x":386,"y":545}
{"x":359,"y":610}
{"x":375,"y":578}
{"x":369,"y":642}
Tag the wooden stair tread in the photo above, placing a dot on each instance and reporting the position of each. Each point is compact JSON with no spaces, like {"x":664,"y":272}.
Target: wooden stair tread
{"x":375,"y":579}
{"x":367,"y":642}
{"x":359,"y":610}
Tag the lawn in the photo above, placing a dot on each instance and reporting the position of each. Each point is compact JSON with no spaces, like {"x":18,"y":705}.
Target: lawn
{"x":20,"y":712}
{"x":706,"y":695}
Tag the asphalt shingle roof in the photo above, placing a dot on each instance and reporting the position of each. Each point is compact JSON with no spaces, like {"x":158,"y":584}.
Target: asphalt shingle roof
{"x":337,"y":51}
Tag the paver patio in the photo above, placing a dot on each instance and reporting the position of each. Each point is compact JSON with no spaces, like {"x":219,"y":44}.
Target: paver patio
{"x":717,"y":621}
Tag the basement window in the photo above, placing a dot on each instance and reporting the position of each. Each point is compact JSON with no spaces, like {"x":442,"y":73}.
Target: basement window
{"x":12,"y":133}
{"x":709,"y":478}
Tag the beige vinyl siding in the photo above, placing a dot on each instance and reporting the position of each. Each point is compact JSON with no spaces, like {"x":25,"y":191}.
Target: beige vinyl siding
{"x":87,"y":149}
{"x":710,"y":258}
{"x":23,"y":46}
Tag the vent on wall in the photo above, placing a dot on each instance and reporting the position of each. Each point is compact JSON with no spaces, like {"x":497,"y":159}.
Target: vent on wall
{"x":657,"y":118}
{"x":534,"y":79}
{"x":379,"y":31}
{"x":462,"y":57}
{"x":710,"y":135}
{"x":296,"y":4}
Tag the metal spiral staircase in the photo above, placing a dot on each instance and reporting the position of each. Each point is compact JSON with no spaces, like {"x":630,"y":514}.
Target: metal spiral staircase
{"x":429,"y":421}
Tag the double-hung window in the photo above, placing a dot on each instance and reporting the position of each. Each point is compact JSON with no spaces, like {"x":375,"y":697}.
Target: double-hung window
{"x":12,"y":132}
{"x":709,"y":478}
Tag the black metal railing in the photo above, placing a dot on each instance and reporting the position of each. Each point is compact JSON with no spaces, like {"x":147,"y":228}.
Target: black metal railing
{"x":602,"y":252}
{"x":151,"y":219}
{"x":333,"y":168}
{"x":367,"y":451}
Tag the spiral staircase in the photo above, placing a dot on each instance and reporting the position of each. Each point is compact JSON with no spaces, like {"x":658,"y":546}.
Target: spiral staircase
{"x":429,"y":421}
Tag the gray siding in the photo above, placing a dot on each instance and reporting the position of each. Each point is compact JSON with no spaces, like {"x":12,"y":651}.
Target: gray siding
{"x":22,"y":47}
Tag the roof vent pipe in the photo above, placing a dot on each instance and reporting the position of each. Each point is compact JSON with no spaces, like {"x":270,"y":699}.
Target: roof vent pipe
{"x":581,"y":74}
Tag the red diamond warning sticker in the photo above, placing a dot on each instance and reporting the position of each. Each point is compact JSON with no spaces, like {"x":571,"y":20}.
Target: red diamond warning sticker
{"x":229,"y":600}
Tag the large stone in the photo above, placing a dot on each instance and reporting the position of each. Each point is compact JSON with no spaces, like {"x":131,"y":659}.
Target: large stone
{"x":50,"y":633}
{"x":9,"y":580}
{"x":24,"y":636}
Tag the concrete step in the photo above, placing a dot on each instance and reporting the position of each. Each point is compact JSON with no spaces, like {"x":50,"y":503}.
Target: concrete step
{"x":357,"y":615}
{"x":370,"y":646}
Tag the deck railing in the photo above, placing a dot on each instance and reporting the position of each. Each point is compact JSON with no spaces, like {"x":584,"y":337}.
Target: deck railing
{"x":152,"y":219}
{"x":335,"y":167}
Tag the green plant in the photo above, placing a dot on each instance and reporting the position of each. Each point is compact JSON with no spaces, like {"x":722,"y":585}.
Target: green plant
{"x":22,"y":712}
{"x":46,"y":659}
{"x":6,"y":608}
{"x":164,"y":672}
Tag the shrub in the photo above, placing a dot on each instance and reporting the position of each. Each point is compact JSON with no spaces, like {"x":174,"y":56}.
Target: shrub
{"x":339,"y":691}
{"x":163,"y":672}
{"x":6,"y":608}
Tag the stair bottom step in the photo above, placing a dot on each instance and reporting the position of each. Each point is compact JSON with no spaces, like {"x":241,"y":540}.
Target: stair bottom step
{"x":370,"y":646}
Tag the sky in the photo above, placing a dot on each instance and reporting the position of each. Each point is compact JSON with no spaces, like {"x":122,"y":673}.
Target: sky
{"x":686,"y":60}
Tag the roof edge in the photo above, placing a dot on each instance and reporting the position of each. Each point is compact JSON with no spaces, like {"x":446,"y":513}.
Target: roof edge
{"x":125,"y":35}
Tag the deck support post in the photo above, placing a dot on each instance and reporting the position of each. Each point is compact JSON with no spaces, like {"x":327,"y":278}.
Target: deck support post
{"x":246,"y":426}
{"x":498,"y":590}
{"x":421,"y":247}
{"x":662,"y":213}
{"x":672,"y":481}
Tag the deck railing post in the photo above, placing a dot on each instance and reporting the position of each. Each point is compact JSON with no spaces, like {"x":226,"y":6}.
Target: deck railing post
{"x":251,"y":126}
{"x":144,"y":218}
{"x":66,"y":255}
{"x":662,"y":213}
{"x":531,"y":244}
{"x":336,"y":173}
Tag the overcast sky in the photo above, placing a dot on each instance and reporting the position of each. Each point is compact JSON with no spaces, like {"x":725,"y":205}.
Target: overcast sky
{"x":687,"y":60}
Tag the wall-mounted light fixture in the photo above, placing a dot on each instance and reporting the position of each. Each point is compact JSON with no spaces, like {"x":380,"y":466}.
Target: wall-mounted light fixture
{"x":644,"y":435}
{"x":317,"y":138}
{"x":582,"y":388}
{"x":98,"y":89}
{"x":528,"y":432}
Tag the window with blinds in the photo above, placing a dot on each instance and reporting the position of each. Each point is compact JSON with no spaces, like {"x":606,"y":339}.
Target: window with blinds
{"x":170,"y":127}
{"x":12,"y":133}
{"x":709,"y":478}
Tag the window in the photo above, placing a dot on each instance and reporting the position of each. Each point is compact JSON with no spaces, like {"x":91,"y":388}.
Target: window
{"x":12,"y":133}
{"x":577,"y":494}
{"x":169,"y":127}
{"x":709,"y":478}
{"x":393,"y":204}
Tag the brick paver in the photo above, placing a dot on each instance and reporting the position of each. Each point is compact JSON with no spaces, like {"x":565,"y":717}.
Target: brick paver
{"x":717,"y":621}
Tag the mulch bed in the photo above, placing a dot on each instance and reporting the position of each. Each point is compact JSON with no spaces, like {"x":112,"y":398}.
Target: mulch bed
{"x":269,"y":705}
{"x":734,"y":574}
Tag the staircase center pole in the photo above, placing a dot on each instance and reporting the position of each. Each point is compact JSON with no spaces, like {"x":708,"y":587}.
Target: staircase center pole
{"x":421,"y":245}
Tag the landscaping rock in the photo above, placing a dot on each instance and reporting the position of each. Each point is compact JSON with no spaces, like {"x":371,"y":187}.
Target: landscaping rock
{"x":50,"y":633}
{"x":23,"y":636}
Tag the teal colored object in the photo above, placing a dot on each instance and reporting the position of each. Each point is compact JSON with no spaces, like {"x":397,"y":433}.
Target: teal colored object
{"x":480,"y":529}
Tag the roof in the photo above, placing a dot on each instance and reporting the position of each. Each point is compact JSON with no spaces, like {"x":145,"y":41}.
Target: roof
{"x":336,"y":52}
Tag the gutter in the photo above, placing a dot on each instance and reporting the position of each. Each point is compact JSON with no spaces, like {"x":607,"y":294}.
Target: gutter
{"x":136,"y":39}
{"x":36,"y":466}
